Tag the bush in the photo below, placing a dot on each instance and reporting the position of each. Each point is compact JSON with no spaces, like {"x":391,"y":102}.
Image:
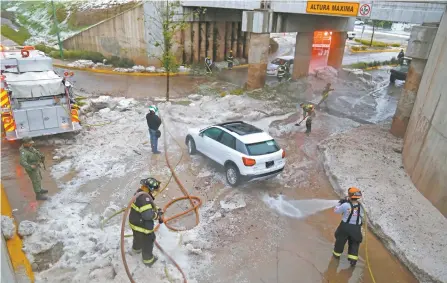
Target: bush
{"x":79,"y":55}
{"x":394,"y":61}
{"x":395,"y":44}
{"x":120,"y":62}
{"x":374,"y":43}
{"x":18,"y":37}
{"x":45,"y":49}
{"x":355,"y":48}
{"x":273,"y":46}
{"x":238,"y":91}
{"x":363,"y":48}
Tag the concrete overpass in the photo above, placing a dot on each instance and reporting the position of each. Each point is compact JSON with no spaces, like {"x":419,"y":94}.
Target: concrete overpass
{"x":408,"y":11}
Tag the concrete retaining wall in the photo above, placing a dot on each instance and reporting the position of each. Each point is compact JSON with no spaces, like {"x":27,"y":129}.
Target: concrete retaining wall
{"x":133,"y":34}
{"x":121,"y":36}
{"x":7,"y":273}
{"x":425,"y":144}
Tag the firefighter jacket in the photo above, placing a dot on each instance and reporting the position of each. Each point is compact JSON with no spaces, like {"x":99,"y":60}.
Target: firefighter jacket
{"x":281,"y":70}
{"x":30,"y":156}
{"x":143,"y":214}
{"x":308,"y":107}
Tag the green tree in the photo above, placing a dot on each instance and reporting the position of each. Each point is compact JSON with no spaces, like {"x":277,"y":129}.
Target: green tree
{"x":165,"y":20}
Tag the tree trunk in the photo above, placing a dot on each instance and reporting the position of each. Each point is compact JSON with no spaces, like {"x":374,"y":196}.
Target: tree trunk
{"x":167,"y":85}
{"x":372,"y":35}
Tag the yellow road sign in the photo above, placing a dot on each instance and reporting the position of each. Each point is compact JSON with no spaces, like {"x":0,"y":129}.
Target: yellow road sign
{"x":333,"y":8}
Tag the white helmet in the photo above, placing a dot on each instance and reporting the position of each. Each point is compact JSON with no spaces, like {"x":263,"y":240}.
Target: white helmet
{"x":153,"y":108}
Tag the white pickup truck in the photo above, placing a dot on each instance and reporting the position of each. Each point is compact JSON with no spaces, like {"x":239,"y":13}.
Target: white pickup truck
{"x":35,"y":101}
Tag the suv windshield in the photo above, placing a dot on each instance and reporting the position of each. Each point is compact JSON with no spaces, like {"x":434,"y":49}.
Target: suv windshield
{"x":262,"y":148}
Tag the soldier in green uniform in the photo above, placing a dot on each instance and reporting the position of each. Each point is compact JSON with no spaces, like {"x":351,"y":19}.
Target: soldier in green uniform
{"x":31,"y":159}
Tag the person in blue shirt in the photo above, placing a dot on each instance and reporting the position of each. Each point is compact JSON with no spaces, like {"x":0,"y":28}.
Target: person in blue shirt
{"x":350,"y":228}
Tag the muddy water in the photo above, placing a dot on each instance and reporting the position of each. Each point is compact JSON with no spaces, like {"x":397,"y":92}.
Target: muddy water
{"x":133,"y":86}
{"x":17,"y":183}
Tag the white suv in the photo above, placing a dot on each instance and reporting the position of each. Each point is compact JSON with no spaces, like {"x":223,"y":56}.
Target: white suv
{"x":246,"y":152}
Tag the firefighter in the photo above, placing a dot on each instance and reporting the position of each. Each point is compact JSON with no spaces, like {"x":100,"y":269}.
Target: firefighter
{"x":141,"y":218}
{"x":230,"y":60}
{"x":31,"y":159}
{"x":308,"y":125}
{"x":400,"y":57}
{"x":350,"y":228}
{"x":308,"y":109}
{"x":325,"y":93}
{"x":208,"y":64}
{"x":281,"y":71}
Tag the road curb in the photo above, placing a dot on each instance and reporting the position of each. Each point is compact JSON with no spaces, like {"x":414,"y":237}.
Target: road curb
{"x":374,"y":51}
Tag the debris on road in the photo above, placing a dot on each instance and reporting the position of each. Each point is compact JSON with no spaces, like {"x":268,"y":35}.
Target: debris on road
{"x":8,"y":227}
{"x":27,"y":228}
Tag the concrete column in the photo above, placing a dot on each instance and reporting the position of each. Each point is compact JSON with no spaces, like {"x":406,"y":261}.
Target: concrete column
{"x":337,"y":49}
{"x":240,"y":41}
{"x":188,"y":44}
{"x":202,"y":42}
{"x":234,"y":38}
{"x":195,"y":41}
{"x":210,"y":39}
{"x":419,"y":46}
{"x":303,"y":54}
{"x":258,"y":58}
{"x":220,"y":44}
{"x":228,"y":29}
{"x":407,"y":98}
{"x":246,"y":44}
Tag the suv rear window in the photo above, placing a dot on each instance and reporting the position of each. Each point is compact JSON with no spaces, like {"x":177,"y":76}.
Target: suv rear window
{"x":262,"y":148}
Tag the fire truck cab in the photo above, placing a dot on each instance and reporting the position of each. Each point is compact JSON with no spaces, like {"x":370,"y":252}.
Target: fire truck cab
{"x":35,"y":101}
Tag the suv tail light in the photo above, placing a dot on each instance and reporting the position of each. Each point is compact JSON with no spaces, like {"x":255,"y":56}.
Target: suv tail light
{"x":248,"y":161}
{"x":283,"y":153}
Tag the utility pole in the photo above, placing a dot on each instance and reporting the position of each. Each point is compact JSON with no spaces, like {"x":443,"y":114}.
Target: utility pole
{"x":56,"y":25}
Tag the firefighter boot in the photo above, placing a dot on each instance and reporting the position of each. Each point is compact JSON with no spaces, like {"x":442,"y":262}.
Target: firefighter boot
{"x":40,"y":196}
{"x":152,"y":262}
{"x":352,"y":262}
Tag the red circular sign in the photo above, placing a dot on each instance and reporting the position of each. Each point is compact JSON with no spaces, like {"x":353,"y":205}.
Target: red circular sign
{"x":365,"y":9}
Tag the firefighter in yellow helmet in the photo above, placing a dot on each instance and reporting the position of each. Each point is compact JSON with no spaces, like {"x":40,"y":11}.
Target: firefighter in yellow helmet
{"x":141,"y":218}
{"x":350,"y":228}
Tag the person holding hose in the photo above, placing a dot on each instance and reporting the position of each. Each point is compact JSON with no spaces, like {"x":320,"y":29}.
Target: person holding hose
{"x":141,"y":220}
{"x":350,"y":228}
{"x":31,"y":159}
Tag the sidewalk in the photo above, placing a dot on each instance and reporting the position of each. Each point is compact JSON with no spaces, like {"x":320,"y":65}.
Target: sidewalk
{"x":410,"y":226}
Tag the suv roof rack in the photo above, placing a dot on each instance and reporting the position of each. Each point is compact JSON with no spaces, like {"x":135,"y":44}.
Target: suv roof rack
{"x":241,"y":128}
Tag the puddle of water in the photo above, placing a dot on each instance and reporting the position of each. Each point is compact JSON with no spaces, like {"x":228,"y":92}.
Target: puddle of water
{"x":298,"y":208}
{"x":46,"y":259}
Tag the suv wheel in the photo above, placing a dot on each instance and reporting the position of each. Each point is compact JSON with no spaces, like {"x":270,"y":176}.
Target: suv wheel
{"x":232,"y":174}
{"x":392,"y":79}
{"x":191,"y":147}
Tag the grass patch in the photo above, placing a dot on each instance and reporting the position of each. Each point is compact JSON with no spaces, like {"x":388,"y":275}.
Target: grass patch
{"x":120,"y":62}
{"x":364,"y":65}
{"x":17,"y":36}
{"x":45,"y":49}
{"x":376,"y":43}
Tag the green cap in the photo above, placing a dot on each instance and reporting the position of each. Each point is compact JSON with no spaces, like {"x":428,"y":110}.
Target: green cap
{"x":27,"y":140}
